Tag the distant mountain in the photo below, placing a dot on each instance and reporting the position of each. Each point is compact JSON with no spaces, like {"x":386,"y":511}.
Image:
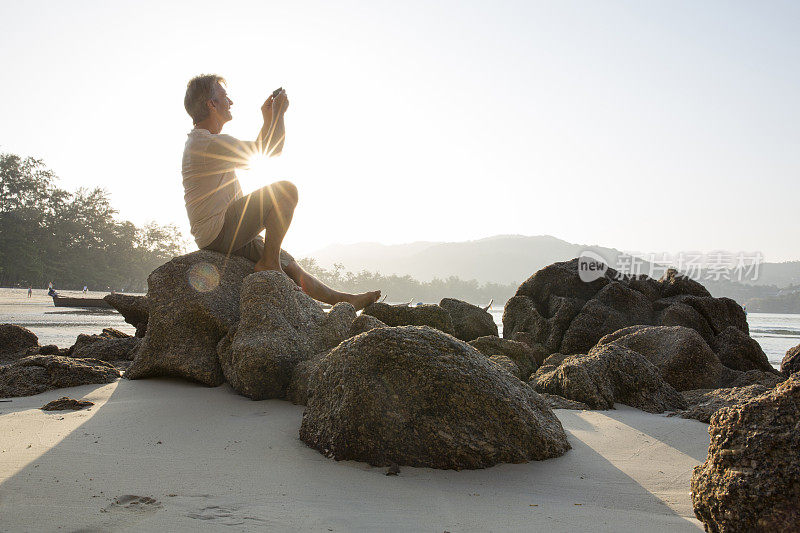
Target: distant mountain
{"x":511,"y":259}
{"x":499,"y":259}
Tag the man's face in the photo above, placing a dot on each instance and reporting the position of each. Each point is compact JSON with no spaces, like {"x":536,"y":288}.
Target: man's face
{"x":221,"y":104}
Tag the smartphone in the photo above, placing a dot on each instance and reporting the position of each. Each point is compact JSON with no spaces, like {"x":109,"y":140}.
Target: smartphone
{"x":276,"y":92}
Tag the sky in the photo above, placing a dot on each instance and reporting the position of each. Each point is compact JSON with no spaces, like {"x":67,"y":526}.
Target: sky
{"x":646,"y":126}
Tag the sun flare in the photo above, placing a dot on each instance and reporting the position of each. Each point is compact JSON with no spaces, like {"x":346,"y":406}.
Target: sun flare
{"x":259,"y":172}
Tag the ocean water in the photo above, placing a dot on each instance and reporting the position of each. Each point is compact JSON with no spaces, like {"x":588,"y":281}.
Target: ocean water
{"x":776,"y":333}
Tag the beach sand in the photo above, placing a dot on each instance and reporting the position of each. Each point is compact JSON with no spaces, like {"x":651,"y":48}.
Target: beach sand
{"x":212,"y":460}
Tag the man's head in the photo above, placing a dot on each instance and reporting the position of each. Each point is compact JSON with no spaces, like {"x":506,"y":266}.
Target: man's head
{"x":206,"y":98}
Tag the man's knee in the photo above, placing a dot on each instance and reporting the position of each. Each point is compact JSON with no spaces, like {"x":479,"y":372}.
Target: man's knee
{"x":287,"y":192}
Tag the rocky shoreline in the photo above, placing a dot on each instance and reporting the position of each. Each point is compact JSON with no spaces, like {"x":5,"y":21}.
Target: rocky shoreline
{"x":435,"y":386}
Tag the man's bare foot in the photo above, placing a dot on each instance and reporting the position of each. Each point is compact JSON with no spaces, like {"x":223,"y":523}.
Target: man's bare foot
{"x":360,"y":301}
{"x":261,"y":266}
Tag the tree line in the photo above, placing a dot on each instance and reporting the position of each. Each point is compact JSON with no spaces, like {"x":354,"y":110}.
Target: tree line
{"x":405,"y":288}
{"x":72,"y":238}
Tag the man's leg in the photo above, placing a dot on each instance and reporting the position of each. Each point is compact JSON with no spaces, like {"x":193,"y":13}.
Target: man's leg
{"x":270,"y":207}
{"x":277,"y":207}
{"x":321,"y":292}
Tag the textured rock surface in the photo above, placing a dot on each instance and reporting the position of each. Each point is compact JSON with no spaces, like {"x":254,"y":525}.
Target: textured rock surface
{"x":364,"y":323}
{"x":404,"y":315}
{"x":703,"y":403}
{"x":506,"y":364}
{"x":39,"y":373}
{"x":110,"y":345}
{"x":65,"y":403}
{"x":739,"y":351}
{"x":193,"y":300}
{"x":683,"y":357}
{"x":525,"y":357}
{"x":606,"y":375}
{"x":736,"y":378}
{"x":413,"y":396}
{"x":791,"y":361}
{"x":751,"y":478}
{"x":559,"y":402}
{"x":280,"y":327}
{"x":134,"y":309}
{"x":469,"y":321}
{"x":15,"y":341}
{"x":558,"y":310}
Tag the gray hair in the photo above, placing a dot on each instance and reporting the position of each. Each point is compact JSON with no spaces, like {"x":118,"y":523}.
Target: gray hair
{"x":200,"y":90}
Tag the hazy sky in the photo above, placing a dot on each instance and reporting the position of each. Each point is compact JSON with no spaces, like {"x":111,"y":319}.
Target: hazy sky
{"x":644,"y":126}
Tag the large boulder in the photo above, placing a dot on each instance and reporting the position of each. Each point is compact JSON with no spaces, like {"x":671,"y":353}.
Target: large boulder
{"x":414,"y":396}
{"x":193,"y":300}
{"x":791,"y":361}
{"x":405,"y":315}
{"x":134,"y":309}
{"x":280,"y":327}
{"x":565,"y":314}
{"x":681,"y":355}
{"x":15,"y":341}
{"x":609,"y":374}
{"x":526,"y":358}
{"x":469,"y":321}
{"x":751,"y":478}
{"x":39,"y":373}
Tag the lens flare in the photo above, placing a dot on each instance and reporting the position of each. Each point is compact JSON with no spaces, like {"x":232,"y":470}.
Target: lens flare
{"x":203,"y":277}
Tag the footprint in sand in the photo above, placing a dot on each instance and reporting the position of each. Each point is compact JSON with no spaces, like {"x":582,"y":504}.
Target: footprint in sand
{"x":136,"y":503}
{"x":226,"y":516}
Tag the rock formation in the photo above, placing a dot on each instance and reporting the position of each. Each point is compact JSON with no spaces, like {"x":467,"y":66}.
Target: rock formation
{"x":364,"y":323}
{"x":15,"y":341}
{"x":404,"y":315}
{"x":751,"y":478}
{"x":526,"y":358}
{"x":193,"y":300}
{"x":791,"y":361}
{"x":280,"y":327}
{"x":469,"y":321}
{"x":134,"y":309}
{"x":608,"y":374}
{"x":414,"y":396}
{"x":38,"y":373}
{"x":681,"y":355}
{"x":111,"y":346}
{"x":703,"y":403}
{"x":558,"y":310}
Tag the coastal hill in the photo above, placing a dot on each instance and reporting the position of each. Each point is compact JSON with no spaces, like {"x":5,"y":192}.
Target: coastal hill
{"x":499,"y":259}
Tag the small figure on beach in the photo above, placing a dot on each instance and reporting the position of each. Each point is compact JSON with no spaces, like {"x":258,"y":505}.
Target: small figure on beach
{"x":84,"y":290}
{"x":30,"y":291}
{"x":222,"y":218}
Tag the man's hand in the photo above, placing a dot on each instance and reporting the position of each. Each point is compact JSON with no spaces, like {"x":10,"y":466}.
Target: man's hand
{"x":280,"y":103}
{"x":275,"y":106}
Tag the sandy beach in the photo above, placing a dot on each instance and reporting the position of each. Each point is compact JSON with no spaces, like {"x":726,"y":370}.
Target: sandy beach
{"x":173,"y":456}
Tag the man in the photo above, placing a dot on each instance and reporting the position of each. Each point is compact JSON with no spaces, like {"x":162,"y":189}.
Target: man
{"x":221,"y":217}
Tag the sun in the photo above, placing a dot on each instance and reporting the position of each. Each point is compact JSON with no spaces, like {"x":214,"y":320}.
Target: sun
{"x":257,"y":173}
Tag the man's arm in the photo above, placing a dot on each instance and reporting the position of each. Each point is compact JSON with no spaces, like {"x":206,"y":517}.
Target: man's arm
{"x":273,"y":132}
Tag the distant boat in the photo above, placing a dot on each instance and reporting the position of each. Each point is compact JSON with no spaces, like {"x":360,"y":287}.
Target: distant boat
{"x":67,"y":301}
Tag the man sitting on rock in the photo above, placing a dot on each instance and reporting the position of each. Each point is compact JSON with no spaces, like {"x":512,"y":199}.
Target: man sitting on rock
{"x":222,"y":218}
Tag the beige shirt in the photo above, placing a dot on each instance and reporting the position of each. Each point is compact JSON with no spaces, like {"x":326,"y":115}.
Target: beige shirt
{"x":209,"y":180}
